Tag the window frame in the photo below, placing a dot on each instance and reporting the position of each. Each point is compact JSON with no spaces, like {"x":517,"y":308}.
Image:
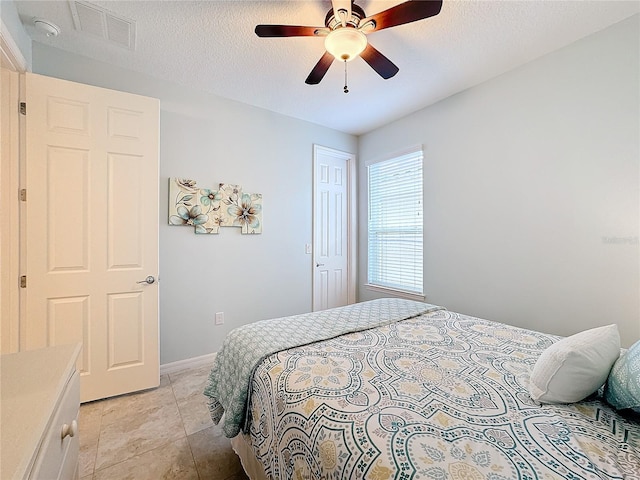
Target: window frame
{"x":406,"y":293}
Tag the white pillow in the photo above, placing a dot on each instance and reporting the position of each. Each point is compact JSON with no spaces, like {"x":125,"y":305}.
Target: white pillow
{"x":575,"y":367}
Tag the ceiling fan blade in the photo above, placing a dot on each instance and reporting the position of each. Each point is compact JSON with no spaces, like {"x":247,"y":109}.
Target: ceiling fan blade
{"x":381,"y":64}
{"x":340,"y":6}
{"x":406,"y":12}
{"x":320,"y":69}
{"x":290,"y":31}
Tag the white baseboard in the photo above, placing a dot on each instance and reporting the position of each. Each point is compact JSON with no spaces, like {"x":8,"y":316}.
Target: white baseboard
{"x":194,"y":362}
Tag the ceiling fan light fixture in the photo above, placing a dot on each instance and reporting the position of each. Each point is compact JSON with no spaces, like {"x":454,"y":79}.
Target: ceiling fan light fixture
{"x":345,"y":43}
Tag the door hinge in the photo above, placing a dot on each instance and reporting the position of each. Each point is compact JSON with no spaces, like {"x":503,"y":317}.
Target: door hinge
{"x":23,"y":281}
{"x":23,"y":194}
{"x":23,"y":108}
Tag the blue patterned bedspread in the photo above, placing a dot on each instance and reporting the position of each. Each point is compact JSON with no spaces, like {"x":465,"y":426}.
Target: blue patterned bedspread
{"x":246,"y":346}
{"x":438,"y":396}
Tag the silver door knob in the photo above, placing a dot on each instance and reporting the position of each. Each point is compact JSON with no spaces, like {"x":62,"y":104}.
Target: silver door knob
{"x":319,"y":264}
{"x":148,"y":280}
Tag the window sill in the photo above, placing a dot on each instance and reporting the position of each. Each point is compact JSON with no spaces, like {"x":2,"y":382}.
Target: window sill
{"x":395,"y":292}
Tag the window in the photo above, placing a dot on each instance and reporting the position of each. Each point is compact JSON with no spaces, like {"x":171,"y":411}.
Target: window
{"x":396,"y":223}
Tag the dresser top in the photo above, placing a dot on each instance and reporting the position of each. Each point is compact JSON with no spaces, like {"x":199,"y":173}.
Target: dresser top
{"x":31,"y":384}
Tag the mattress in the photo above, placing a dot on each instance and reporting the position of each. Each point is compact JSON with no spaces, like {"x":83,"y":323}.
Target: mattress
{"x":438,"y":395}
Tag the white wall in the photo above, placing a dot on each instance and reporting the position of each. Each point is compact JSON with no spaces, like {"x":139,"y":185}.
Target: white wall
{"x":532,"y":190}
{"x":213,"y":140}
{"x":11,"y":20}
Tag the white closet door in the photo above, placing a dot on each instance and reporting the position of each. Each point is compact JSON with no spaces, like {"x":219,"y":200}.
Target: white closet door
{"x":331,"y":230}
{"x":92,"y":231}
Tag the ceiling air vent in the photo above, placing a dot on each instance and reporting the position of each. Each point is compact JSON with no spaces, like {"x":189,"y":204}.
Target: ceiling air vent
{"x":97,"y":21}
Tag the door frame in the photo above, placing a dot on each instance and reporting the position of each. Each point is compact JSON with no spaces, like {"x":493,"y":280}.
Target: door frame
{"x":11,"y":60}
{"x":10,"y":213}
{"x":352,"y":224}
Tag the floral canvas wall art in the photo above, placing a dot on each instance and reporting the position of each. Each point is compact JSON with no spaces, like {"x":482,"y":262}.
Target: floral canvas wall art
{"x":249,"y":215}
{"x":242,"y":209}
{"x":211,"y":207}
{"x":207,"y":210}
{"x":229,"y":198}
{"x":184,"y":207}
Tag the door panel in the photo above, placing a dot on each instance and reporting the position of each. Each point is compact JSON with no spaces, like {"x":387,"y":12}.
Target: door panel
{"x":68,"y":320}
{"x":66,"y":183}
{"x":126,"y":240}
{"x":126,"y":339}
{"x":92,"y":231}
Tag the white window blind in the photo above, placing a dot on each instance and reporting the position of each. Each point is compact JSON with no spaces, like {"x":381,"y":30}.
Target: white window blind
{"x":396,"y":223}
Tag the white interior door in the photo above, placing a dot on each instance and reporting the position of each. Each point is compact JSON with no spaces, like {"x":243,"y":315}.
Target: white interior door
{"x":92,"y":231}
{"x":333,"y":277}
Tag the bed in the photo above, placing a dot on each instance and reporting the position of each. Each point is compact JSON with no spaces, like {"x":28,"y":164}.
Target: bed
{"x":396,"y":389}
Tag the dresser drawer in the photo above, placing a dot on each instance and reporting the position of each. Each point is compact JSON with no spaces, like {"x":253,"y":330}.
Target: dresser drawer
{"x":57,"y":457}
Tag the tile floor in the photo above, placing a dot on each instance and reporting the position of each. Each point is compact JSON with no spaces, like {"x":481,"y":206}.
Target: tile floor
{"x":163,"y":433}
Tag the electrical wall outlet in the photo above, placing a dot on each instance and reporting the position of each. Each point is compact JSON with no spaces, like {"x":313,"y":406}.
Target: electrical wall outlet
{"x":219,"y":318}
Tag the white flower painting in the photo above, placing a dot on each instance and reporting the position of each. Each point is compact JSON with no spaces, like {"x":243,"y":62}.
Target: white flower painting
{"x":207,"y":210}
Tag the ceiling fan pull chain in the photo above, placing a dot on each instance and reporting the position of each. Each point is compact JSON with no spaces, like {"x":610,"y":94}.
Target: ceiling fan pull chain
{"x":346,"y":90}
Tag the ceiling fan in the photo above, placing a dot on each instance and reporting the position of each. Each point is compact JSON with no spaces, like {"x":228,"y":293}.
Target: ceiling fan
{"x":345,"y":30}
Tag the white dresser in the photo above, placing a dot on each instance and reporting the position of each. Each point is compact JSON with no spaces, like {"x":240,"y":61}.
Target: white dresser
{"x":40,"y":400}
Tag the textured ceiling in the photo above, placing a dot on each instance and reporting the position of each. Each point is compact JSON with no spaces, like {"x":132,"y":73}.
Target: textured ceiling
{"x":210,"y":46}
